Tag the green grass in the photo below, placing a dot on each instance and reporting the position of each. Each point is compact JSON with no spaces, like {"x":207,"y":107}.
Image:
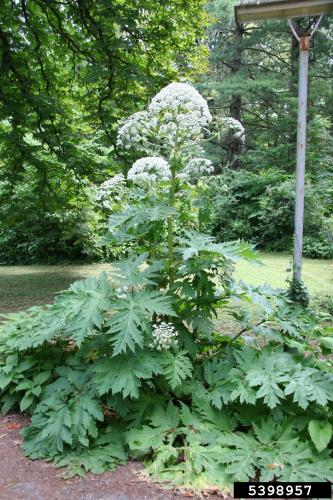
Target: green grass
{"x":24,"y":286}
{"x":317,"y":274}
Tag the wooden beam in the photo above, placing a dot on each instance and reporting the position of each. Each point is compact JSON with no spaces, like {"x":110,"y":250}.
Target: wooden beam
{"x":282,"y":9}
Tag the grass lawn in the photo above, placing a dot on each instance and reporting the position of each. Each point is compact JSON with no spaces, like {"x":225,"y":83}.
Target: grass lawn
{"x":24,"y":286}
{"x":317,"y":274}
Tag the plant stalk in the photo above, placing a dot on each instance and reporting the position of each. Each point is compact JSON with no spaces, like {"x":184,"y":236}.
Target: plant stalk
{"x":171,"y":268}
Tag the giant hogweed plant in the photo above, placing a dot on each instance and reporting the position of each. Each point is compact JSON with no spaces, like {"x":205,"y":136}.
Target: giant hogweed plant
{"x":131,"y":364}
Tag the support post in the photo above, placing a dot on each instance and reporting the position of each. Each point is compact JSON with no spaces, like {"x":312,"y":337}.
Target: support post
{"x":301,"y":154}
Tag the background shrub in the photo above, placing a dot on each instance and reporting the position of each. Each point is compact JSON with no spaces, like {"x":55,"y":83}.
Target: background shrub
{"x":259,"y":207}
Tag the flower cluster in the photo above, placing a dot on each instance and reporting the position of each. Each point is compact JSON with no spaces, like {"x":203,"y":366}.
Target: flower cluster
{"x":111,"y":187}
{"x":164,"y":336}
{"x":181,"y":110}
{"x":134,"y":130}
{"x":233,"y":126}
{"x":149,"y":170}
{"x":196,"y":168}
{"x":178,"y":100}
{"x":177,"y":114}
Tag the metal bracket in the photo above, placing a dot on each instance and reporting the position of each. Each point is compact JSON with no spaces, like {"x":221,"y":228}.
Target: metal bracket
{"x":308,"y":35}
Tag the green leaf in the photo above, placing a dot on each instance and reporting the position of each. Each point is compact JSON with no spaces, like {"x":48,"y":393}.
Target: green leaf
{"x":123,"y":374}
{"x":132,"y":272}
{"x":177,"y":368}
{"x":241,"y":458}
{"x":42,"y":377}
{"x":327,"y":342}
{"x":104,"y":455}
{"x":82,"y":307}
{"x":196,"y":242}
{"x":127,"y":327}
{"x":310,"y":384}
{"x":138,"y":218}
{"x":5,"y":380}
{"x":133,"y":318}
{"x":155,"y":303}
{"x":26,"y":401}
{"x":320,"y":433}
{"x":268,"y":374}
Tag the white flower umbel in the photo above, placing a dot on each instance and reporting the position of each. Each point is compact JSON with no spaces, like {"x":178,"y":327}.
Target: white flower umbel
{"x":164,"y":336}
{"x":175,"y":119}
{"x":149,"y":170}
{"x":234,"y":127}
{"x":110,"y":188}
{"x":182,"y":112}
{"x":134,"y":131}
{"x":178,"y":100}
{"x":196,"y":168}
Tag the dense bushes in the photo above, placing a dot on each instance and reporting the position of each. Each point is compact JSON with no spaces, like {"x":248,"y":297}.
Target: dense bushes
{"x":259,"y":207}
{"x":47,"y":226}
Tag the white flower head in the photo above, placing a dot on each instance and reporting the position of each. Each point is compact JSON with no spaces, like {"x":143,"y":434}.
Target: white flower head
{"x":149,"y":170}
{"x":198,"y":167}
{"x":181,"y":110}
{"x":234,"y":127}
{"x":133,"y":132}
{"x":110,"y":187}
{"x":181,"y":99}
{"x":164,"y":336}
{"x":178,"y":114}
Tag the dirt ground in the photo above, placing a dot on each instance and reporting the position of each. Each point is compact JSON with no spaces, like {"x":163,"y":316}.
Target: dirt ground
{"x":24,"y":479}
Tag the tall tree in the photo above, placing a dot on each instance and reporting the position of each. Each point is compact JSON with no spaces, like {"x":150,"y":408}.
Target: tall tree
{"x":70,"y":70}
{"x":253,"y":78}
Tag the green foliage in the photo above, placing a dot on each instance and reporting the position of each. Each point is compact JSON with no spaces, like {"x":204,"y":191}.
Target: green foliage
{"x":208,"y":416}
{"x":107,"y":453}
{"x":259,"y":207}
{"x":124,"y":374}
{"x":298,"y":292}
{"x":69,"y":75}
{"x":132,"y":365}
{"x":39,"y":226}
{"x":320,"y":433}
{"x":177,"y":368}
{"x":253,"y":77}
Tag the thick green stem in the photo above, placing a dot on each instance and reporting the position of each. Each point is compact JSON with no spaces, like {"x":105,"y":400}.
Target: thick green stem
{"x":171,"y":264}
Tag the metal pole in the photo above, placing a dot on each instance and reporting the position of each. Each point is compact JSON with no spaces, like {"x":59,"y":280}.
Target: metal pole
{"x":301,"y":149}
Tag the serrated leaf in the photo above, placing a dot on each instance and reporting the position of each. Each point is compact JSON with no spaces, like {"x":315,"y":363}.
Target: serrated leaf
{"x":123,"y":374}
{"x":133,"y":272}
{"x":155,"y":303}
{"x":133,"y":317}
{"x":310,"y":384}
{"x":177,"y":367}
{"x":241,"y":459}
{"x":127,"y":325}
{"x":196,"y":242}
{"x":82,"y":308}
{"x":139,"y":218}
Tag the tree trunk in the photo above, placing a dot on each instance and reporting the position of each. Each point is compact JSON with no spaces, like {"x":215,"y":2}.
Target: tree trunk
{"x":235,"y":107}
